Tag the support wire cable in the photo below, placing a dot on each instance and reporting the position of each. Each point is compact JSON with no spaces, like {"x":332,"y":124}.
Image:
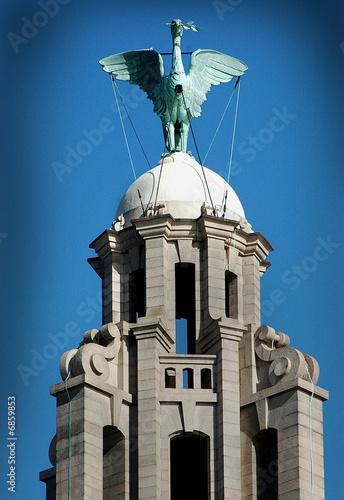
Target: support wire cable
{"x":120,"y":117}
{"x":131,"y":123}
{"x":199,"y":157}
{"x":234,"y":129}
{"x":222,"y":117}
{"x":69,"y":429}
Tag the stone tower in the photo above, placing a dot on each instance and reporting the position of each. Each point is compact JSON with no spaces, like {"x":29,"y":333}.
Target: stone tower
{"x":182,"y":394}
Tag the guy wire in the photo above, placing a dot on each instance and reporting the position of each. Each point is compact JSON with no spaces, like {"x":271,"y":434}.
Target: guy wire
{"x":199,"y":157}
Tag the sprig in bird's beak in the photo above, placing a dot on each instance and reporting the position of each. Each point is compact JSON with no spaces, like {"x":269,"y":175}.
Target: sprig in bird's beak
{"x":187,"y":26}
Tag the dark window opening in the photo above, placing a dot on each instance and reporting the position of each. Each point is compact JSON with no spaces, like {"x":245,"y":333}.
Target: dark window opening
{"x":231,"y":287}
{"x":185,"y":305}
{"x":205,"y":378}
{"x":137,"y":298}
{"x":170,"y":378}
{"x":267,"y":464}
{"x":189,"y":468}
{"x":113,"y":464}
{"x":188,"y":382}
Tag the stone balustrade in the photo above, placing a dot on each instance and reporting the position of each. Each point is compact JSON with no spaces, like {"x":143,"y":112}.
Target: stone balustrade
{"x":188,"y":371}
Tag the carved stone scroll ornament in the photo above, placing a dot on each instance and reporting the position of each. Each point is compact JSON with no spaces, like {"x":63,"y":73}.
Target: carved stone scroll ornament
{"x":98,"y":348}
{"x":287,"y":363}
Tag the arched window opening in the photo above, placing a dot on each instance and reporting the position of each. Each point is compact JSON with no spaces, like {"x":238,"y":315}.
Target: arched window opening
{"x":185,"y":307}
{"x":188,"y":382}
{"x":170,"y":378}
{"x":265,"y":444}
{"x":205,"y":378}
{"x":137,"y":295}
{"x":113,"y":464}
{"x":231,"y":294}
{"x":189,"y":457}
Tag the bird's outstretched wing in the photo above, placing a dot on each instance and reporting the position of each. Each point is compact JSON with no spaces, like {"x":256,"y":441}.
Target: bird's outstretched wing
{"x":144,"y":68}
{"x":207,"y":68}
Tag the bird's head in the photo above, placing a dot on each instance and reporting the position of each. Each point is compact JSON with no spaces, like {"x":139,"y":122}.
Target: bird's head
{"x":176,"y":28}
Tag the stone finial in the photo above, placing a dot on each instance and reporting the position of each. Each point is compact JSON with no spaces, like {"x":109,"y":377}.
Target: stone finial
{"x":118,"y":223}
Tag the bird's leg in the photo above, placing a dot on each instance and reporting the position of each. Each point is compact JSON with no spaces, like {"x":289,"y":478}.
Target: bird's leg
{"x":184,"y":130}
{"x":177,"y":137}
{"x":169,"y":137}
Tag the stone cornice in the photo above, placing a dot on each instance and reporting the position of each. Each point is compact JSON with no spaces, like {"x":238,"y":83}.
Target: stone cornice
{"x":258,"y":245}
{"x":220,"y":329}
{"x":111,"y":241}
{"x":166,"y":226}
{"x":151,"y":327}
{"x":89,"y":381}
{"x":281,"y":387}
{"x":106,"y":243}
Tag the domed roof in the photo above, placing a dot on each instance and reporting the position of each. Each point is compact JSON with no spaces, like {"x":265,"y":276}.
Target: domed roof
{"x":182,"y":189}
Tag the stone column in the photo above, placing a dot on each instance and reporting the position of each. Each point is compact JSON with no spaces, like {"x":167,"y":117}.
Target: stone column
{"x":152,"y":340}
{"x":80,"y":436}
{"x":108,"y":266}
{"x":300,"y":447}
{"x":223,"y":340}
{"x":88,"y":400}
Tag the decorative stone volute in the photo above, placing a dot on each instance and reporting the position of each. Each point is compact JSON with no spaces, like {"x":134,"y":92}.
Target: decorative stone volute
{"x":285,"y":363}
{"x":93,"y":356}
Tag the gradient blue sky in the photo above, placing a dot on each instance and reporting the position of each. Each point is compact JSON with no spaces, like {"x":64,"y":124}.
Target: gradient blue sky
{"x":289,"y":181}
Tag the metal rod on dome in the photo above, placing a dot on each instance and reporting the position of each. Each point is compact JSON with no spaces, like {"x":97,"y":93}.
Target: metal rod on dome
{"x":225,"y":204}
{"x":170,"y":53}
{"x":140,"y":198}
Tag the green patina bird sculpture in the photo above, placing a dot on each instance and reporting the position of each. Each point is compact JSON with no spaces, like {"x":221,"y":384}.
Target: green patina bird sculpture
{"x":177,"y":97}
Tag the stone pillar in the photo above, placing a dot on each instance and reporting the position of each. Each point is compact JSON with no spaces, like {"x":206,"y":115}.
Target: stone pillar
{"x":88,"y":401}
{"x":80,"y":436}
{"x":213,"y":277}
{"x":156,"y":267}
{"x":248,"y":468}
{"x":108,"y":266}
{"x":300,"y":448}
{"x":223,"y":340}
{"x":152,"y":341}
{"x":251,"y":290}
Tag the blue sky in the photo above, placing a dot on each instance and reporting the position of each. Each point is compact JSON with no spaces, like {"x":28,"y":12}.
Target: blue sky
{"x":290,"y":181}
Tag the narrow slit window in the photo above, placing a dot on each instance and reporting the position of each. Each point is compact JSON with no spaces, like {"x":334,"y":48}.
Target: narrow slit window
{"x":185,"y":307}
{"x":170,"y":378}
{"x":137,"y":298}
{"x":188,"y":382}
{"x":265,"y":443}
{"x":205,"y":378}
{"x":231,"y":287}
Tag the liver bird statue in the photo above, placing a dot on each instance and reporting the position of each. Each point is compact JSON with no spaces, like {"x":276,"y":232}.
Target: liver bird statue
{"x":177,"y":97}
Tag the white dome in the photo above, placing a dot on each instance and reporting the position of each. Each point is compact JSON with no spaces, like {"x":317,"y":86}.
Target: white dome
{"x":182,"y":189}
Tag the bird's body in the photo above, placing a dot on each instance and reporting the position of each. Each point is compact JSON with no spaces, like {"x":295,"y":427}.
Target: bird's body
{"x":177,"y":97}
